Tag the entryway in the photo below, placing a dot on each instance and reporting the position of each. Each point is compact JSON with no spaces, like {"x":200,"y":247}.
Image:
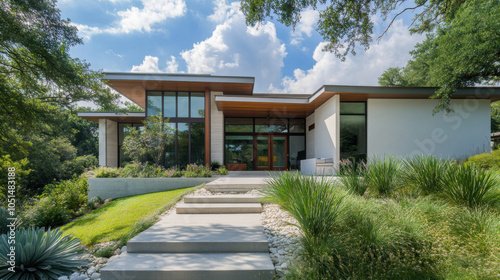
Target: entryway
{"x":271,"y":152}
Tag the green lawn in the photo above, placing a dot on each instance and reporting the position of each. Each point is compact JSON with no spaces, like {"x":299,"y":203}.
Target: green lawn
{"x":123,"y":218}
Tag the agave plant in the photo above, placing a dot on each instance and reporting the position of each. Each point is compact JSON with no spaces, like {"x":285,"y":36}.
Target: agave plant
{"x":40,"y":254}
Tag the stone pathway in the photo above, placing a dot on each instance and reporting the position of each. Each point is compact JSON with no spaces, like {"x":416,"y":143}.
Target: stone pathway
{"x":209,"y":237}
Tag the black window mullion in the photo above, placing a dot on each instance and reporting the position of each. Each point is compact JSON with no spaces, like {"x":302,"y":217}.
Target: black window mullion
{"x":189,"y":143}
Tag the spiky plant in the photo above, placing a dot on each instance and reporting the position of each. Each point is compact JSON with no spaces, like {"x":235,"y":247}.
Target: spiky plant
{"x":352,"y":176}
{"x":384,"y":174}
{"x":471,"y":186}
{"x":40,"y":254}
{"x":425,"y":173}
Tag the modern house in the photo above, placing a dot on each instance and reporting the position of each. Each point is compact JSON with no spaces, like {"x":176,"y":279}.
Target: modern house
{"x":220,"y":118}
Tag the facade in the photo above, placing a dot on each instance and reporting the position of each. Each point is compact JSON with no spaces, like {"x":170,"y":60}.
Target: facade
{"x":220,"y":118}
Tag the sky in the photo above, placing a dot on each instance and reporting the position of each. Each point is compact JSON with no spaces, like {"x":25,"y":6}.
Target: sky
{"x":211,"y":37}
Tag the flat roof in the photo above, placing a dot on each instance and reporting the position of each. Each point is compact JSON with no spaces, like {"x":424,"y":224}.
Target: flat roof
{"x":134,"y":85}
{"x":132,"y":117}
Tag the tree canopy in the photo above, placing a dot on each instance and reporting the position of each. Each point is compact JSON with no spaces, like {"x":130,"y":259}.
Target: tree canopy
{"x":38,"y":77}
{"x":461,"y":53}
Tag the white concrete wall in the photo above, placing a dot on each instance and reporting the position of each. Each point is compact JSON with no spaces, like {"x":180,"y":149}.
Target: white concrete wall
{"x":326,"y":140}
{"x":217,"y":130}
{"x":310,"y":152}
{"x":406,"y":127}
{"x":111,"y":143}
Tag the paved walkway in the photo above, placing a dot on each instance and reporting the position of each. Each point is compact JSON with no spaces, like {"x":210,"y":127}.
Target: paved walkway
{"x":221,"y":238}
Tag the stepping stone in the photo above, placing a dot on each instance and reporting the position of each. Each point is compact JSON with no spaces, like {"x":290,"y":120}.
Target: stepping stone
{"x":218,"y":208}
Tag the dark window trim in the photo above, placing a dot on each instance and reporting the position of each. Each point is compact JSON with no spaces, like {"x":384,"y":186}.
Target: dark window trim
{"x":366,"y":120}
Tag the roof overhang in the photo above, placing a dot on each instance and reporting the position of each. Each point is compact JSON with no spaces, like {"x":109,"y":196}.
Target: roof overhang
{"x":134,"y":85}
{"x":300,"y":106}
{"x":131,"y":117}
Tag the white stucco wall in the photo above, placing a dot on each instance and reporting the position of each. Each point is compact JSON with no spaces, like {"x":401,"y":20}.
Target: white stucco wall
{"x":217,"y":130}
{"x":407,"y":127}
{"x":326,"y":140}
{"x":310,"y":152}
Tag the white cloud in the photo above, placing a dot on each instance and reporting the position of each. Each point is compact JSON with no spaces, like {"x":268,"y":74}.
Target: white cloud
{"x":305,"y":27}
{"x":135,"y":19}
{"x":172,"y":65}
{"x":362,"y":69}
{"x":153,"y":11}
{"x":149,"y":65}
{"x":235,"y":49}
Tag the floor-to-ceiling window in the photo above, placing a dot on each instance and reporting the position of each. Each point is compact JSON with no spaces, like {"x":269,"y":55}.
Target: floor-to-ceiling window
{"x":353,"y":130}
{"x":124,"y":129}
{"x":186,"y":112}
{"x":264,"y":143}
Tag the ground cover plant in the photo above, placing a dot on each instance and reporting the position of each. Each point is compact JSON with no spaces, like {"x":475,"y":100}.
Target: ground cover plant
{"x":145,"y":170}
{"x":123,"y":218}
{"x":434,"y":220}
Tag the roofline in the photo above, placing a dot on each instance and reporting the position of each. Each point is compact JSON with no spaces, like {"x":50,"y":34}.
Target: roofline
{"x":111,"y":114}
{"x":177,"y":77}
{"x":266,"y":99}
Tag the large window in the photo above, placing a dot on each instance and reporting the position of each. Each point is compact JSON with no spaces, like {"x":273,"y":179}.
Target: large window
{"x":186,"y":112}
{"x":124,"y":129}
{"x":353,"y":130}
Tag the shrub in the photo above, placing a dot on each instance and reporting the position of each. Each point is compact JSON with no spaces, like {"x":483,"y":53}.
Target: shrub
{"x":40,"y":254}
{"x":194,"y":170}
{"x":471,"y":186}
{"x":71,"y":194}
{"x":383,"y":174}
{"x":221,"y":171}
{"x":107,"y":172}
{"x":5,"y":221}
{"x":486,"y":160}
{"x":425,"y":173}
{"x":352,"y":176}
{"x":46,"y":212}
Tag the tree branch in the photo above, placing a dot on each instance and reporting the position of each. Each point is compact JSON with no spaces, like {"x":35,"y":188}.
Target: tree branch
{"x":396,"y":16}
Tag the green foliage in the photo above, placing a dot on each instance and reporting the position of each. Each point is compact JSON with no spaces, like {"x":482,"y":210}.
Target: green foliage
{"x":40,"y":254}
{"x":46,"y":212}
{"x":462,"y":52}
{"x":150,"y":141}
{"x":471,"y":186}
{"x":346,"y":24}
{"x":194,"y":170}
{"x":486,"y":160}
{"x":71,"y":194}
{"x":384,"y":174}
{"x":425,"y":173}
{"x":115,"y":222}
{"x":352,"y":176}
{"x":107,"y":172}
{"x":5,"y":221}
{"x":37,"y":74}
{"x":21,"y":172}
{"x":221,"y":171}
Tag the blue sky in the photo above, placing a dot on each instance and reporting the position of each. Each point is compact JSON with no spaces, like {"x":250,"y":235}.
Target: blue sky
{"x":211,"y":37}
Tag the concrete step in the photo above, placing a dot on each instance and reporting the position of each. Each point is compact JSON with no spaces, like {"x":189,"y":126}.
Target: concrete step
{"x":218,"y":266}
{"x":218,"y":208}
{"x":237,"y":184}
{"x":211,"y":233}
{"x":223,"y":199}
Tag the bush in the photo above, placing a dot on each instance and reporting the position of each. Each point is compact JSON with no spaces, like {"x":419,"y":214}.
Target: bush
{"x":471,"y":186}
{"x":46,"y":212}
{"x":194,"y":170}
{"x":384,"y":174}
{"x":221,"y":171}
{"x":71,"y":194}
{"x":352,"y":176}
{"x":106,"y":172}
{"x":5,"y":221}
{"x":40,"y":254}
{"x":425,"y":173}
{"x":486,"y":160}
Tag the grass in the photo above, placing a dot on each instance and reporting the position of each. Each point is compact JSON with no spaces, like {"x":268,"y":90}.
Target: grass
{"x":401,"y":232}
{"x":123,"y":218}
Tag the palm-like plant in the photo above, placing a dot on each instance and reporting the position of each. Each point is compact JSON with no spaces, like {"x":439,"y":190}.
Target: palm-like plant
{"x":40,"y":254}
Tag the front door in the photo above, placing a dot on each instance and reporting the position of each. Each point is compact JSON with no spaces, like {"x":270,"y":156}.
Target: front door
{"x":271,"y":152}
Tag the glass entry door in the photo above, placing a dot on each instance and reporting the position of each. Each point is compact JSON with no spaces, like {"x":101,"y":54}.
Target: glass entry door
{"x":271,"y":152}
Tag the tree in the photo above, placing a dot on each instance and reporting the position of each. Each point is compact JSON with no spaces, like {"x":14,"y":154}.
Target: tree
{"x":461,"y":48}
{"x":460,"y":53}
{"x":37,"y":75}
{"x":151,"y":141}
